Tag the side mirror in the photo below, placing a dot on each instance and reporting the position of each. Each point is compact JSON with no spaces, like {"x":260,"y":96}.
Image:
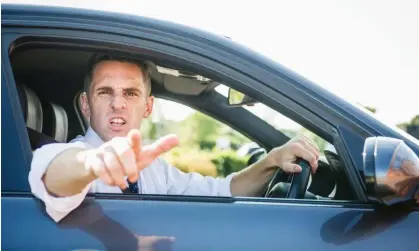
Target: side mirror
{"x":391,"y":171}
{"x":236,"y":98}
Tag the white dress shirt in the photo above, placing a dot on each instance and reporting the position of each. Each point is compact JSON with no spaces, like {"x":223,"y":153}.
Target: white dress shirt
{"x":158,"y":178}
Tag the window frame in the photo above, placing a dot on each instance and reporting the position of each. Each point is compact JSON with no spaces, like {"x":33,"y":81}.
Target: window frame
{"x":10,"y":169}
{"x":254,"y":85}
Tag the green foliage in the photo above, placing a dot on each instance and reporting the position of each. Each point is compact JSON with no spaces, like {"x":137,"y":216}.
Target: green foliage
{"x":207,"y":144}
{"x":371,"y":109}
{"x":204,"y":128}
{"x":411,"y":127}
{"x":192,"y":160}
{"x":213,"y":163}
{"x":228,"y":162}
{"x":236,"y":139}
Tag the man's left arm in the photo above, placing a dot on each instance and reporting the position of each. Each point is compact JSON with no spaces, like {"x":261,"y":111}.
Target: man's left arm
{"x":252,"y":180}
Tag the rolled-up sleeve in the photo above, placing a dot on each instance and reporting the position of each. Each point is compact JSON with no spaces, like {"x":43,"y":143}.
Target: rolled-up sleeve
{"x":194,"y":183}
{"x":56,"y":207}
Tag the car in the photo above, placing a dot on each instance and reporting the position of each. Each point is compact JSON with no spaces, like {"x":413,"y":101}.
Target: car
{"x":364,"y":197}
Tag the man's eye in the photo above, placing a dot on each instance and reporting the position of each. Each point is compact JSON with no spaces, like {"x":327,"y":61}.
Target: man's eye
{"x":132,"y":94}
{"x":104,"y":92}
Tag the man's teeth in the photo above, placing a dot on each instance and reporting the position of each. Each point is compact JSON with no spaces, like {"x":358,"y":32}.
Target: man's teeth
{"x":117,"y":121}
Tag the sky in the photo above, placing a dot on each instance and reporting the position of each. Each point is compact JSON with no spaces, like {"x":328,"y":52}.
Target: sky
{"x":364,"y":51}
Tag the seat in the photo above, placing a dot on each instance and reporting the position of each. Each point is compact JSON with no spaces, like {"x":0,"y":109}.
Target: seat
{"x":45,"y":122}
{"x":55,"y":121}
{"x":31,"y":108}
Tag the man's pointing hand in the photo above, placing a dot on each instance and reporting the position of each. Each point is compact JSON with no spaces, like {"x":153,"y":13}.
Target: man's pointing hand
{"x":124,"y":156}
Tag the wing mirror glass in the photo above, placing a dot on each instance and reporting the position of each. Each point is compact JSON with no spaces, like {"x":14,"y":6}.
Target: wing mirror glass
{"x":391,"y":171}
{"x":236,"y":98}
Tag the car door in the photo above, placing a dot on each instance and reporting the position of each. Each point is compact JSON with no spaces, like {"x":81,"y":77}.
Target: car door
{"x":162,"y":222}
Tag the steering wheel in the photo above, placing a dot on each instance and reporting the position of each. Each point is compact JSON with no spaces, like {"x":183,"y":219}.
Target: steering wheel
{"x":299,"y":181}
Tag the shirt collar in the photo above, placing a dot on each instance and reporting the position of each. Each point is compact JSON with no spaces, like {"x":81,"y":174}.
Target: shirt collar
{"x":92,"y":138}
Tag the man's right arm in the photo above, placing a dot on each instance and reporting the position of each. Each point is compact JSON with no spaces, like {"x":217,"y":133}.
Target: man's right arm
{"x":56,"y":157}
{"x":61,"y":174}
{"x":66,"y":174}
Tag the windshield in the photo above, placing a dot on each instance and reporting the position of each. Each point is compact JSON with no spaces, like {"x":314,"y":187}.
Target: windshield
{"x":291,"y":128}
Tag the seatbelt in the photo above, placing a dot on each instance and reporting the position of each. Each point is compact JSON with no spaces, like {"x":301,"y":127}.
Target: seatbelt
{"x":38,"y":139}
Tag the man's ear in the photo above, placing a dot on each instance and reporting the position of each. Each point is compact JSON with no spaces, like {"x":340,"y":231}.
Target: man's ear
{"x":149,"y":106}
{"x":84,"y":104}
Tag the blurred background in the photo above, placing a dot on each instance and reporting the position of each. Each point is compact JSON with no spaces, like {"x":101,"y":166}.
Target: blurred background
{"x":364,"y":51}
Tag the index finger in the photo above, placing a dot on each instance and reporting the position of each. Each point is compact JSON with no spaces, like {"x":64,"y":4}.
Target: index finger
{"x":134,"y":139}
{"x":151,"y":152}
{"x":161,"y":146}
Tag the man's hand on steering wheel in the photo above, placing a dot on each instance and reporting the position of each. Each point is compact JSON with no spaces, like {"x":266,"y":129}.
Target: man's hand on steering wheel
{"x":285,"y":156}
{"x":252,"y":181}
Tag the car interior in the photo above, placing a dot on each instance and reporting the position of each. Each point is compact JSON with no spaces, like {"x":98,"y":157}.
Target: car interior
{"x":49,"y":79}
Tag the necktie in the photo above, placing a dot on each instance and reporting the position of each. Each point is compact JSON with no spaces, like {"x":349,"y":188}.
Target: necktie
{"x":132,"y":187}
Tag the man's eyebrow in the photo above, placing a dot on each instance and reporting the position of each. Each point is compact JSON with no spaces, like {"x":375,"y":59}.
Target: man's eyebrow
{"x":104,"y":88}
{"x":132,"y":89}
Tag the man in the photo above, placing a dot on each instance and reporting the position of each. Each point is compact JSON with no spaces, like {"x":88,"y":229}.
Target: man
{"x":110,"y":155}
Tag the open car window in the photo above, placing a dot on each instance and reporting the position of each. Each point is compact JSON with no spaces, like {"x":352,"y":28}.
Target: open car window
{"x":217,"y":143}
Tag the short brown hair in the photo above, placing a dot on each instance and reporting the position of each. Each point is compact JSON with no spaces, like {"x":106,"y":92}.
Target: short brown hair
{"x":100,"y":57}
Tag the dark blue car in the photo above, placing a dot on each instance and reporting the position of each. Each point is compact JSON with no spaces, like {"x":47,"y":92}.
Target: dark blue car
{"x":364,"y":195}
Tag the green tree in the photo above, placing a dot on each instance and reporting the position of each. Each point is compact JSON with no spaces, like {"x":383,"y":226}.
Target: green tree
{"x":236,"y":138}
{"x":198,"y":128}
{"x":371,"y":109}
{"x":411,"y":127}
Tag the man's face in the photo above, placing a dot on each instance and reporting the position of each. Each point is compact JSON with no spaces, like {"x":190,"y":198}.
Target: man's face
{"x":118,"y":99}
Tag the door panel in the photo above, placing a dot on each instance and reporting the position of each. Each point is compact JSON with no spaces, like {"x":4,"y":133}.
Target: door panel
{"x":13,"y":144}
{"x":107,"y":224}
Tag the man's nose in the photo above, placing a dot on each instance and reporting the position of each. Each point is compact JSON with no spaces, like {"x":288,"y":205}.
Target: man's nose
{"x":118,"y":102}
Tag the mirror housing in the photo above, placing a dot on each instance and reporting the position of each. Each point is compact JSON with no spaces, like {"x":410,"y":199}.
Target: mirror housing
{"x":236,"y":98}
{"x":391,"y":171}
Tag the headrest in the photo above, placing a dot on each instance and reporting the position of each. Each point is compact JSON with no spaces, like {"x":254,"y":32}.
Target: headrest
{"x":31,"y":107}
{"x":41,"y":116}
{"x":55,"y":121}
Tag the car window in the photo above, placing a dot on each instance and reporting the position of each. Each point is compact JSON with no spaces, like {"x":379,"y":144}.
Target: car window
{"x":207,"y":146}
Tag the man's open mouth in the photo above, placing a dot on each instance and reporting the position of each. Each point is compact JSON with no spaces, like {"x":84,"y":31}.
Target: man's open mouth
{"x":118,"y":121}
